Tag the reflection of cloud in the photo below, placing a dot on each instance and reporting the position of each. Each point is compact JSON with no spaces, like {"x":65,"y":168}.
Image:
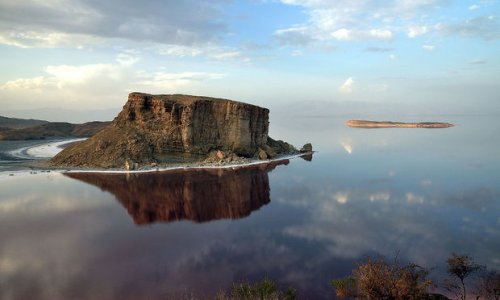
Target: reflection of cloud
{"x":347,"y":86}
{"x":347,"y":145}
{"x":411,"y":198}
{"x":341,"y":198}
{"x":426,"y":182}
{"x":383,"y":197}
{"x":357,"y":227}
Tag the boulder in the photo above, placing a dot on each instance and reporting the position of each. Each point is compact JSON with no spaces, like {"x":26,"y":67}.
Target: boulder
{"x":306,"y":148}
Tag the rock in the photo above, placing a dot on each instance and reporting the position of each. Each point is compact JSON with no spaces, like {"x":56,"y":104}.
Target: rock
{"x":306,"y":148}
{"x":261,"y":154}
{"x":151,"y":129}
{"x":281,"y":147}
{"x":220,"y":155}
{"x":271,"y":153}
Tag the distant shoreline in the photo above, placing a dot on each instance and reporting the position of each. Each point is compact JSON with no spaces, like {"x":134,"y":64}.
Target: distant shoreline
{"x":389,"y":124}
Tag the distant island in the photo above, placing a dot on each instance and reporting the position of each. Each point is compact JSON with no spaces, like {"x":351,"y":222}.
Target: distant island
{"x":158,"y":130}
{"x":387,"y":124}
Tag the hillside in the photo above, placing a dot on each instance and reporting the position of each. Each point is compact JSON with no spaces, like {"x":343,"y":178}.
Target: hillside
{"x":52,"y":130}
{"x":15,"y":123}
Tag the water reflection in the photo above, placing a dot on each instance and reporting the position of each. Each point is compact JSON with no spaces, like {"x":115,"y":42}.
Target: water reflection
{"x":196,"y":195}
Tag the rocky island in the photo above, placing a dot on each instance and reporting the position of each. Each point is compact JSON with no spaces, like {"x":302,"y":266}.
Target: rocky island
{"x":387,"y":124}
{"x":156,"y":130}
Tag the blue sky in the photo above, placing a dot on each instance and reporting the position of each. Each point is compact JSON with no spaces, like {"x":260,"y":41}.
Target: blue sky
{"x":428,"y":56}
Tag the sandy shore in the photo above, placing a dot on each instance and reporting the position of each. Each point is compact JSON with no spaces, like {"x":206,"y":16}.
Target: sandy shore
{"x":43,"y":151}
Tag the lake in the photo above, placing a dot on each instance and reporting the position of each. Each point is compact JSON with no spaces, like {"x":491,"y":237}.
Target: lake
{"x":418,"y":194}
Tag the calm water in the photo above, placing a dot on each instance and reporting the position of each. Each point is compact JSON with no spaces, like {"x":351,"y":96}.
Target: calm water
{"x":421,"y":193}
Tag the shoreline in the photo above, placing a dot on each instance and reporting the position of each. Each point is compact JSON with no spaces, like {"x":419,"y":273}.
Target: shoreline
{"x":42,"y":151}
{"x":41,"y":171}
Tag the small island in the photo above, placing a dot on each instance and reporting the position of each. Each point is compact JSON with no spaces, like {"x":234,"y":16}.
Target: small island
{"x":388,"y":124}
{"x":164,"y":130}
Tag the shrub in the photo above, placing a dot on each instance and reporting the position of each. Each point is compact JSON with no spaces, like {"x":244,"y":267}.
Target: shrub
{"x":377,"y":279}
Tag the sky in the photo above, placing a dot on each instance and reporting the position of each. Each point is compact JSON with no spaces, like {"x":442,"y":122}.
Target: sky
{"x":78,"y":60}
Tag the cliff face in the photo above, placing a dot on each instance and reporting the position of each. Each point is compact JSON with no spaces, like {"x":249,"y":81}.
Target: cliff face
{"x":152,"y":127}
{"x":199,"y":196}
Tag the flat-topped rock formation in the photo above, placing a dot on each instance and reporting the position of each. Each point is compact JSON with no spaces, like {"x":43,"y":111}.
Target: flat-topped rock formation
{"x":387,"y":124}
{"x":198,"y":196}
{"x":153,"y":129}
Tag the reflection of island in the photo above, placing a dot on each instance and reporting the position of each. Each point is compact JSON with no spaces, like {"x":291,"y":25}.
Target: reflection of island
{"x":196,"y":195}
{"x":386,"y":124}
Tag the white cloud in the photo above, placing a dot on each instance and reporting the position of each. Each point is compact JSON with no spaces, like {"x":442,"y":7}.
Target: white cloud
{"x":180,"y":51}
{"x":347,"y":86}
{"x":473,"y":7}
{"x":70,"y":86}
{"x":210,"y":51}
{"x":43,"y":39}
{"x":59,"y":76}
{"x":346,"y":20}
{"x":428,"y":47}
{"x":127,"y":58}
{"x":381,"y":34}
{"x":174,"y":81}
{"x":342,"y":34}
{"x":415,"y":30}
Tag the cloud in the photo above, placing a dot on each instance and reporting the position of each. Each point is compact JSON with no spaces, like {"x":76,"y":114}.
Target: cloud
{"x":210,"y":51}
{"x":381,"y":34}
{"x":174,"y":81}
{"x":414,"y":31}
{"x":428,"y":47}
{"x":64,"y":86}
{"x":345,"y":20}
{"x":347,"y":86}
{"x":127,"y":58}
{"x":295,"y":36}
{"x":473,"y":7}
{"x":33,"y":23}
{"x":484,"y":27}
{"x":477,"y":62}
{"x":378,"y":49}
{"x":59,"y":76}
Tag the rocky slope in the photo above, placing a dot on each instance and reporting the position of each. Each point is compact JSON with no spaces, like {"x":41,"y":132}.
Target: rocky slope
{"x":199,"y":196}
{"x":387,"y":124}
{"x":156,"y":129}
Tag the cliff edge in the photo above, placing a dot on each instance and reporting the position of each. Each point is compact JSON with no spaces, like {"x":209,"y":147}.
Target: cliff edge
{"x":157,"y":129}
